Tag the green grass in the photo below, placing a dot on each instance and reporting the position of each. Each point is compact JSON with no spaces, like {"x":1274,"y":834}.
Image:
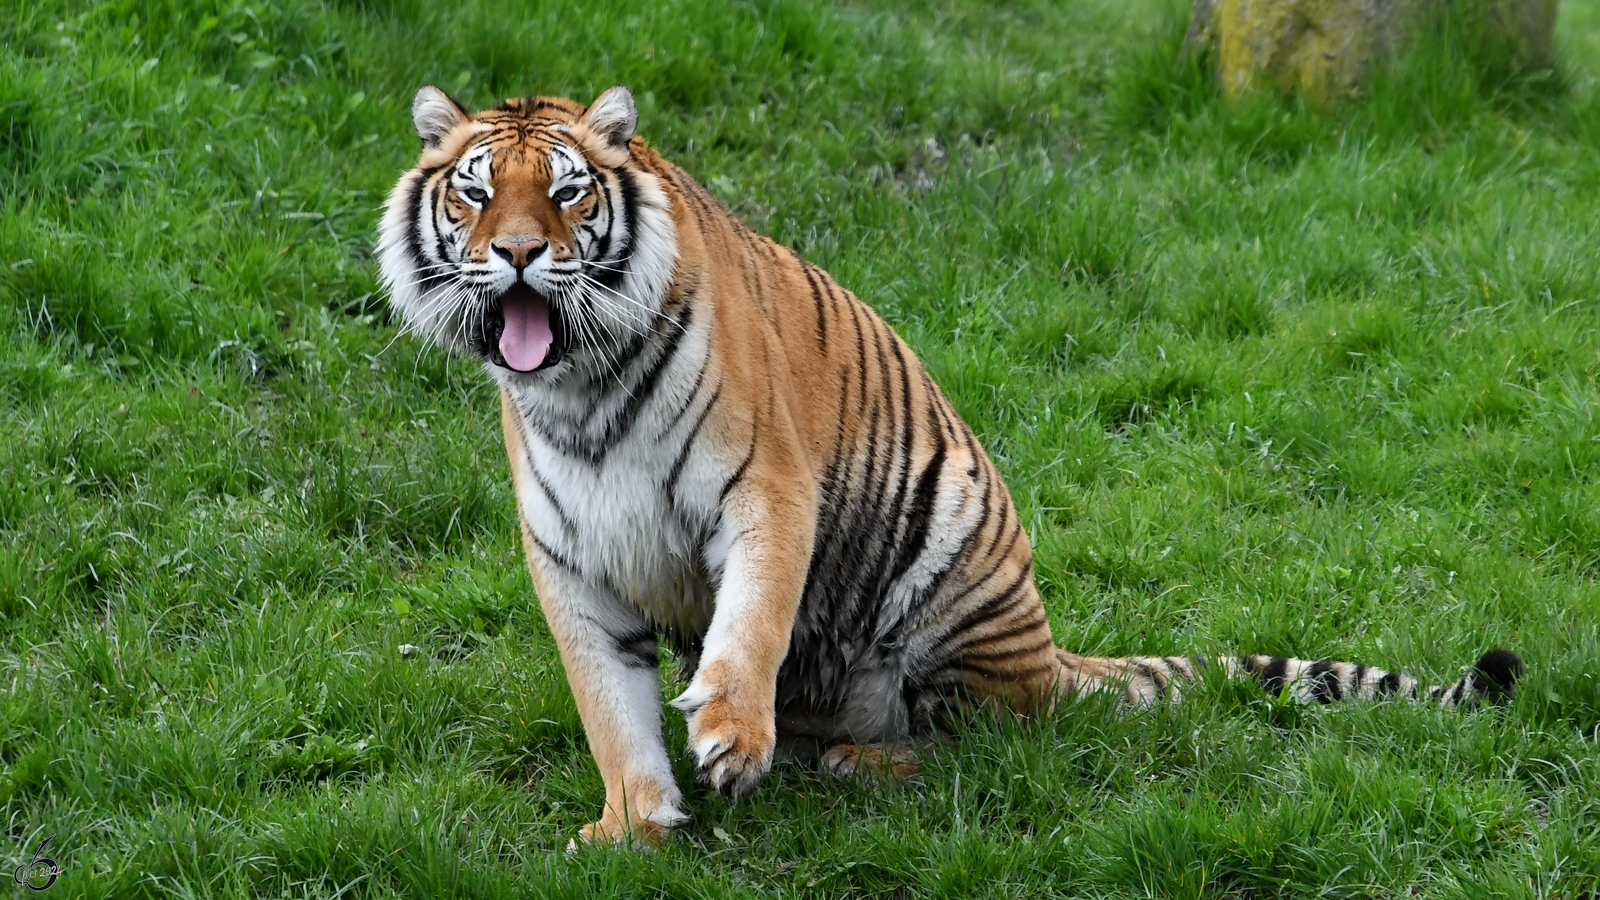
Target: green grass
{"x":1260,"y":378}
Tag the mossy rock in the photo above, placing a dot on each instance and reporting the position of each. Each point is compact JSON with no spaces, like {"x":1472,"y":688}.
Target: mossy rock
{"x":1324,"y":49}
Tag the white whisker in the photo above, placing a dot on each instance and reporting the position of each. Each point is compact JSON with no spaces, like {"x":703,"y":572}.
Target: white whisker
{"x":597,"y":265}
{"x":596,"y":340}
{"x":419,"y":280}
{"x":601,"y":304}
{"x":446,"y":297}
{"x":642,"y":307}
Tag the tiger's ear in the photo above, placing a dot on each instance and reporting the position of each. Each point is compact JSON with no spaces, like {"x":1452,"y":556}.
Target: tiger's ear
{"x":611,"y":119}
{"x":435,"y":114}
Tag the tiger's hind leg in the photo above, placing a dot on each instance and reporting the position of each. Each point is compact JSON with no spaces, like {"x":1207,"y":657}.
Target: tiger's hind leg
{"x":891,"y":762}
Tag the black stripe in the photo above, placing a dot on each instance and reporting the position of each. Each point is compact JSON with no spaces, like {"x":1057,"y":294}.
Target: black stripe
{"x":568,"y":526}
{"x":525,"y":107}
{"x":831,"y":590}
{"x":580,"y":441}
{"x":998,"y":655}
{"x":1013,"y":535}
{"x":1388,"y":684}
{"x":751,"y":269}
{"x":1034,"y":617}
{"x":603,"y":248}
{"x":676,"y":471}
{"x":1001,"y":532}
{"x":688,"y":400}
{"x":567,"y":523}
{"x":414,"y":207}
{"x":861,"y":564}
{"x":816,"y":299}
{"x":962,"y":554}
{"x":550,"y":552}
{"x":1272,"y":677}
{"x":870,"y":481}
{"x":1006,"y":529}
{"x":645,"y":388}
{"x":630,"y":209}
{"x":625,"y":378}
{"x":638,"y":649}
{"x":896,"y":507}
{"x":435,"y":204}
{"x":738,"y":474}
{"x":695,"y":195}
{"x":990,"y":609}
{"x":919,"y":517}
{"x":990,"y":573}
{"x":861,"y":351}
{"x":564,"y":442}
{"x":888,"y":508}
{"x":1006,"y":674}
{"x":1324,"y":679}
{"x":856,"y":501}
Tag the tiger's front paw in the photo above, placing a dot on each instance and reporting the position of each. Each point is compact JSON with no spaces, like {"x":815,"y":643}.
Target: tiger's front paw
{"x":642,"y":835}
{"x":732,"y":744}
{"x":640,"y":812}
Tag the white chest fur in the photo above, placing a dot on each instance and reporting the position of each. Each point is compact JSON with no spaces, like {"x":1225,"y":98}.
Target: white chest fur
{"x":639,"y":520}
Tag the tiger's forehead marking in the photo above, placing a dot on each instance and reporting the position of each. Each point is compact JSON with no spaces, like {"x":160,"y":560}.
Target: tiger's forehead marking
{"x":477,"y":164}
{"x":527,"y":126}
{"x":564,"y":162}
{"x":540,"y":143}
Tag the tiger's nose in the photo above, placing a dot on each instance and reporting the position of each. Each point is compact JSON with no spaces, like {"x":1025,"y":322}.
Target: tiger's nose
{"x":518,"y":252}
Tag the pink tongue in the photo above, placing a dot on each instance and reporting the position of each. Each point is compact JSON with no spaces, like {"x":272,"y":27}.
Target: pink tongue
{"x":527,"y":337}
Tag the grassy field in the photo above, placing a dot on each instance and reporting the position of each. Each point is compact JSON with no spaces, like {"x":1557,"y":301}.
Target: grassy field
{"x":1261,"y":379}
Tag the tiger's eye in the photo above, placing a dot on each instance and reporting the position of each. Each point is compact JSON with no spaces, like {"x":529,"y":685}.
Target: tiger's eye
{"x":565,"y":195}
{"x":477,"y":195}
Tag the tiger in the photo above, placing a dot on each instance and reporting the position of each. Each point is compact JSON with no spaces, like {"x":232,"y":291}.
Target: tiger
{"x":715,"y":446}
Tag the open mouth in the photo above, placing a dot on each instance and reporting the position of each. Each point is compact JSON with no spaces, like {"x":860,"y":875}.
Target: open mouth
{"x":524,"y":331}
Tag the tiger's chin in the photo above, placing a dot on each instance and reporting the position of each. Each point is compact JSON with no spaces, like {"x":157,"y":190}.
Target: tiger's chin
{"x":523,"y":331}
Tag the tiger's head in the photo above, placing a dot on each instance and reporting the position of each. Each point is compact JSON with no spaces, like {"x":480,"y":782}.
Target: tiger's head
{"x":527,"y":235}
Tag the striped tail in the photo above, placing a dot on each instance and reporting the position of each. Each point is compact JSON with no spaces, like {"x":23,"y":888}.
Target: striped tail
{"x":1493,"y":678}
{"x":1146,"y":679}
